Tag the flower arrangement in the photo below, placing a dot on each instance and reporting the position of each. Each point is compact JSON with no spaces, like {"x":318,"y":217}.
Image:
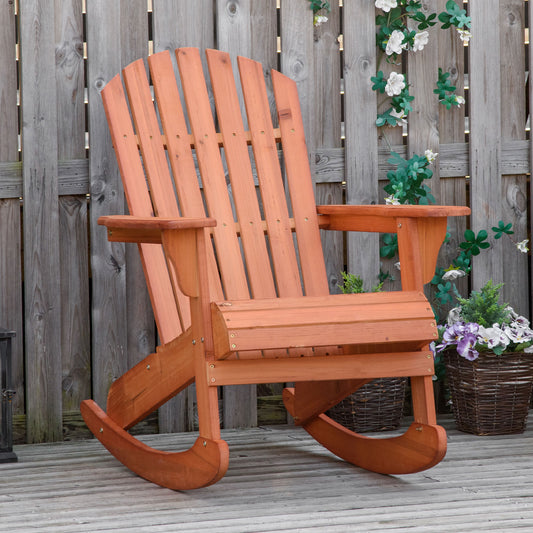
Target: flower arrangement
{"x":481,"y":323}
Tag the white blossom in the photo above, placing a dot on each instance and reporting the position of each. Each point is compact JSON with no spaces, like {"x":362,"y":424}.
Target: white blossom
{"x":430,"y":155}
{"x":400,"y":116}
{"x":453,"y":274}
{"x":522,"y":246}
{"x":459,"y":100}
{"x":397,"y":265}
{"x":454,"y":316}
{"x":394,"y":44}
{"x":386,"y":5}
{"x":493,"y":337}
{"x":392,"y":200}
{"x":421,"y":39}
{"x":395,"y":84}
{"x":465,"y":35}
{"x":319,"y":19}
{"x":518,"y":334}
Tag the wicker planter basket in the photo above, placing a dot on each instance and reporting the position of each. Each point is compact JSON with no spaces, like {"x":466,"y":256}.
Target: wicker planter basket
{"x":491,"y":395}
{"x":376,"y":406}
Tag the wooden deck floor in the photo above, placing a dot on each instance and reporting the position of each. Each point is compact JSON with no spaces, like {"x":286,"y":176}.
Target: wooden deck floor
{"x":279,"y":480}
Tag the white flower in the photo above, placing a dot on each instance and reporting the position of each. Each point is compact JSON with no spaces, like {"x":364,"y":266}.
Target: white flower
{"x":453,"y":274}
{"x":454,"y":316}
{"x":465,"y":35}
{"x":421,"y":39}
{"x":397,"y":265}
{"x":400,"y":116}
{"x":430,"y":155}
{"x":392,"y":200}
{"x":386,"y":5}
{"x":493,"y":337}
{"x":459,"y":100}
{"x":518,"y":335}
{"x":394,"y":44}
{"x":319,"y":19}
{"x":395,"y":84}
{"x":522,"y":246}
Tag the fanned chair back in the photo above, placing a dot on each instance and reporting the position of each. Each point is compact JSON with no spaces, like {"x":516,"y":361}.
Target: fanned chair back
{"x":254,"y":253}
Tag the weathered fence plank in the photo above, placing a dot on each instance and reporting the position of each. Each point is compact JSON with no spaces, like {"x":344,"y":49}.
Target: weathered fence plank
{"x":513,"y":121}
{"x":109,"y":312}
{"x":41,"y":222}
{"x":74,"y":247}
{"x":452,"y":130}
{"x":327,"y":113}
{"x":422,"y":74}
{"x":485,"y":133}
{"x":10,"y":229}
{"x":361,"y":144}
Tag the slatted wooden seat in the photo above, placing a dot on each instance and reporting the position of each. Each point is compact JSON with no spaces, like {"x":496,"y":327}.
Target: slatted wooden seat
{"x":235,"y":299}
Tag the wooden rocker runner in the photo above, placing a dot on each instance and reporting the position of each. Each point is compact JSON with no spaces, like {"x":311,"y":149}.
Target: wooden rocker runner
{"x":235,"y":299}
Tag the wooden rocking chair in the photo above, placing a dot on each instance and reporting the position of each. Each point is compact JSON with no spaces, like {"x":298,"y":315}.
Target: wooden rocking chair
{"x":235,"y":299}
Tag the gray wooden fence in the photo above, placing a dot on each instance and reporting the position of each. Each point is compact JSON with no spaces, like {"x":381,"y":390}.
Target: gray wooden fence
{"x":79,"y":304}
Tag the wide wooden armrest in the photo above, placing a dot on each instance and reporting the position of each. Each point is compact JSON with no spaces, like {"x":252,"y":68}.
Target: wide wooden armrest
{"x":380,"y":218}
{"x":128,"y":228}
{"x":421,"y":230}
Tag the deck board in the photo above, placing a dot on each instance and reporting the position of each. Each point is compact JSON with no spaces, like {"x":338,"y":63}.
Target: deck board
{"x":279,"y":480}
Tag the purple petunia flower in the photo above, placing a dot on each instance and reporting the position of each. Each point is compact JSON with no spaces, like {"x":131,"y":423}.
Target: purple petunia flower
{"x":465,"y":347}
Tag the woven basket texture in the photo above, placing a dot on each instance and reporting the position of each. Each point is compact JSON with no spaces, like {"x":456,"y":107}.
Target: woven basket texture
{"x":376,"y":406}
{"x":491,"y":395}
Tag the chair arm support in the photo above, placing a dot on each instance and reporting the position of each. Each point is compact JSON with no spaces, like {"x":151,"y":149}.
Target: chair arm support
{"x":128,"y":228}
{"x":421,"y":231}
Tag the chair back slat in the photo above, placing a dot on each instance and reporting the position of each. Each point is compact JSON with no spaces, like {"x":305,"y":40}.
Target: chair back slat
{"x":241,"y":177}
{"x":153,"y":260}
{"x":270,"y":178}
{"x":300,"y":185}
{"x":212,"y":171}
{"x":179,"y":150}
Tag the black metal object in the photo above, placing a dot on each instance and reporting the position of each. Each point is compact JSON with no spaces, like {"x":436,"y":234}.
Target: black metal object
{"x":6,"y":395}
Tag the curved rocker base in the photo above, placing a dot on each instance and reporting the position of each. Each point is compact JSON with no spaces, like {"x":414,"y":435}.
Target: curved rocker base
{"x":419,"y":448}
{"x":203,"y":464}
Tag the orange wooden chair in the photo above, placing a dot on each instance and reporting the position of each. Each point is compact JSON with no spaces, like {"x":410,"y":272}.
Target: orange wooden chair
{"x":235,"y":299}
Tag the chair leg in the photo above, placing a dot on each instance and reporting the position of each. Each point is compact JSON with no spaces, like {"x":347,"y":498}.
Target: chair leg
{"x":422,"y":446}
{"x":143,"y":389}
{"x":203,"y":464}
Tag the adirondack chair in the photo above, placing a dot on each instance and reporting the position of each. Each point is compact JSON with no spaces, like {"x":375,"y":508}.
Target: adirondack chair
{"x":236,"y":301}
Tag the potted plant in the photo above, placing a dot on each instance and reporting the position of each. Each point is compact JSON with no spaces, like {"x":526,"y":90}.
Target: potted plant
{"x":487,"y":350}
{"x":379,"y":404}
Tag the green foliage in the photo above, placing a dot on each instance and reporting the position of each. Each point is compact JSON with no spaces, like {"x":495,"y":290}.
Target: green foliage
{"x":317,"y":5}
{"x":473,"y":244}
{"x":483,"y":308}
{"x":353,"y":284}
{"x":454,"y":16}
{"x":446,"y":91}
{"x":406,"y":182}
{"x":390,"y":245}
{"x":501,"y":229}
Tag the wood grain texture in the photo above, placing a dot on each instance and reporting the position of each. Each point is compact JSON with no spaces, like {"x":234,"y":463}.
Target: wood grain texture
{"x":451,"y":58}
{"x":361,"y":147}
{"x":11,"y":305}
{"x":74,"y":246}
{"x":109,"y":314}
{"x":41,"y":224}
{"x":485,"y":134}
{"x":513,"y":124}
